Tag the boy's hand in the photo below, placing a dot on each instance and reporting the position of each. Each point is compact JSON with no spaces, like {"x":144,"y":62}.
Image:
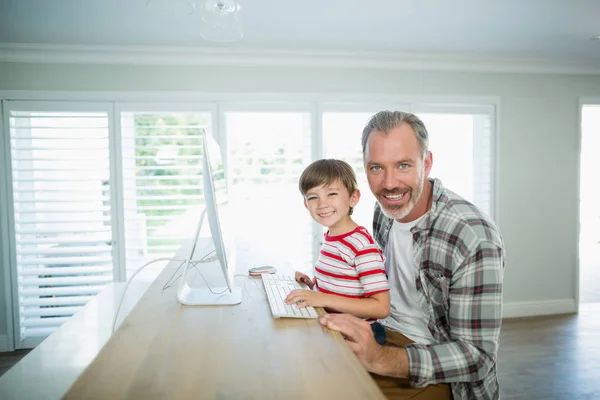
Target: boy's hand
{"x":303,"y":278}
{"x":305,"y":298}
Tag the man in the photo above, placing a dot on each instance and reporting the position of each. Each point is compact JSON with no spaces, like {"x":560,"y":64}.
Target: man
{"x":445,"y":262}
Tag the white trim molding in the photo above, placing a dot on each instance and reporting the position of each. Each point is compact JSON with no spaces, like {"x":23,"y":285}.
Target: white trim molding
{"x":3,"y":343}
{"x":537,"y":308}
{"x":185,"y":56}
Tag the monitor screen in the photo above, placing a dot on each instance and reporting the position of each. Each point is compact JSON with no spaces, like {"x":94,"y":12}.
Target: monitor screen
{"x":215,"y":197}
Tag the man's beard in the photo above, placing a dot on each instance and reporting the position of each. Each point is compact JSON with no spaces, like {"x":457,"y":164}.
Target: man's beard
{"x":401,"y":211}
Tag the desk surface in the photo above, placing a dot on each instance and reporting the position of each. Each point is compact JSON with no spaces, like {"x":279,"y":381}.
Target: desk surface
{"x":49,"y":370}
{"x":164,"y":350}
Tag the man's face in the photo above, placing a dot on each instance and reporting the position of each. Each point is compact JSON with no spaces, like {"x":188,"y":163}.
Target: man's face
{"x":396,"y":171}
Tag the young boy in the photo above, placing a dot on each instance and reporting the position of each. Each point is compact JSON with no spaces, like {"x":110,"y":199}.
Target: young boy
{"x":349,"y":273}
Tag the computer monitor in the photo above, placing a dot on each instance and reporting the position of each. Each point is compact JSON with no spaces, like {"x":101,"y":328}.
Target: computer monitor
{"x":215,"y":197}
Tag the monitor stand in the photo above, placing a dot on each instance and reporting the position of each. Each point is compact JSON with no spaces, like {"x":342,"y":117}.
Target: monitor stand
{"x":202,"y":295}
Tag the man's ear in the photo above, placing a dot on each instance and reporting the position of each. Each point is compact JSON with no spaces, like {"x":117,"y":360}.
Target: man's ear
{"x":354,"y":198}
{"x":428,"y":164}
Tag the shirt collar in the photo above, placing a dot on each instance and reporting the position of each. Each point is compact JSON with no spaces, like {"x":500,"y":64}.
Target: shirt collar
{"x":436,"y":207}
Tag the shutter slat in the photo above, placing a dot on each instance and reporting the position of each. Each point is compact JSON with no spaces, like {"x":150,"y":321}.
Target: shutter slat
{"x":176,"y":157}
{"x":46,"y":322}
{"x":55,"y":301}
{"x":143,"y":188}
{"x":191,"y":177}
{"x":50,"y":311}
{"x":67,"y":240}
{"x":62,"y":291}
{"x":46,"y":149}
{"x":40,"y":332}
{"x":71,"y":280}
{"x":67,"y":271}
{"x":45,"y":210}
{"x":65,"y":260}
{"x":50,"y":231}
{"x":169,"y":137}
{"x":66,"y":250}
{"x":60,"y":221}
{"x":189,"y":197}
{"x":171,"y":167}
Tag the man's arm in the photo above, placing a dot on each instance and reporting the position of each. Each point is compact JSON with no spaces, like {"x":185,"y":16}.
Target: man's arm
{"x":475,"y":317}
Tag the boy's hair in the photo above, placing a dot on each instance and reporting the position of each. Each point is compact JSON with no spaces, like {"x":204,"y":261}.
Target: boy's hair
{"x":325,"y":172}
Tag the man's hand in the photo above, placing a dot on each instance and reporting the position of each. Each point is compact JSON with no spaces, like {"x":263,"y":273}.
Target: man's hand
{"x":305,"y":298}
{"x":303,"y":278}
{"x":382,"y":360}
{"x":358,"y":334}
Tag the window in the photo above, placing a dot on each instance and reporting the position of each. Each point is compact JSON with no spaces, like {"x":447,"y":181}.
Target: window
{"x":62,"y":212}
{"x":162,"y":183}
{"x":461,"y":144}
{"x":266,"y":153}
{"x":342,"y":132}
{"x":92,"y":197}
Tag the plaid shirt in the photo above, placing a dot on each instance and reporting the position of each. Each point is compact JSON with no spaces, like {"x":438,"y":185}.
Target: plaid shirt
{"x":459,"y":264}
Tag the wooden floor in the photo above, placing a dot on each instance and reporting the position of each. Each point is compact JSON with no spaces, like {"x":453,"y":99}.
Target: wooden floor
{"x":7,"y":360}
{"x":549,"y":358}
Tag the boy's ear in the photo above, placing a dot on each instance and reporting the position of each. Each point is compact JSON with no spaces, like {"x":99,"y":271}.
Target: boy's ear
{"x":354,"y":198}
{"x":305,"y":205}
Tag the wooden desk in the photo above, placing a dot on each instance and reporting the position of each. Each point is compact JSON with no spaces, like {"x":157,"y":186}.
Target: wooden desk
{"x":49,"y":370}
{"x":164,"y":350}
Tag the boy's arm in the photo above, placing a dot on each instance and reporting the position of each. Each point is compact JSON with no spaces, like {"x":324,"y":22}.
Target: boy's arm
{"x":374,"y":306}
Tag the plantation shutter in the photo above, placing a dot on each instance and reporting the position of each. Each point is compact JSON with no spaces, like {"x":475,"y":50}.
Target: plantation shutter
{"x":62,"y":212}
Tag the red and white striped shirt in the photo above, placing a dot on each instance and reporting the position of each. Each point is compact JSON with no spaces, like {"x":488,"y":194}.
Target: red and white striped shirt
{"x":351,"y":265}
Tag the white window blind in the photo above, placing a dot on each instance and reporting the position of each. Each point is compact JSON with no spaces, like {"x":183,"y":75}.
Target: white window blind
{"x":266,"y":153}
{"x":162,"y":182}
{"x":62,"y":215}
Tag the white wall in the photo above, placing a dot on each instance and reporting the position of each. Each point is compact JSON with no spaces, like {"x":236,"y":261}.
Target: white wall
{"x":538,"y":138}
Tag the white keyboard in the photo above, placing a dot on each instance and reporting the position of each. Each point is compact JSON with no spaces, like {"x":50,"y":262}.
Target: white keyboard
{"x":277,"y":288}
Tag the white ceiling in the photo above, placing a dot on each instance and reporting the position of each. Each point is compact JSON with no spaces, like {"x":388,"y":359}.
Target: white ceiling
{"x":557,"y":29}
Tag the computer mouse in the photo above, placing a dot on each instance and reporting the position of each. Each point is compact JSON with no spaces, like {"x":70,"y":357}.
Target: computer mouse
{"x":262,"y":269}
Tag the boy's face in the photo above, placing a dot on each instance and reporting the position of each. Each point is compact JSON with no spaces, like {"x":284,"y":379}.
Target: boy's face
{"x":329,"y":204}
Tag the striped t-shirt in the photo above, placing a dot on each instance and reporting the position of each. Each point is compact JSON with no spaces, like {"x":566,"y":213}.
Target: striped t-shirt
{"x":351,"y":265}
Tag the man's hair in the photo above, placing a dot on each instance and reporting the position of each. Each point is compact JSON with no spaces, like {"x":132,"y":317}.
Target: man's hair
{"x":385,"y":121}
{"x":325,"y":172}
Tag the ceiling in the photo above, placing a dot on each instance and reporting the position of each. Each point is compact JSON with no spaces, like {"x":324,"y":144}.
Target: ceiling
{"x":556,"y":29}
